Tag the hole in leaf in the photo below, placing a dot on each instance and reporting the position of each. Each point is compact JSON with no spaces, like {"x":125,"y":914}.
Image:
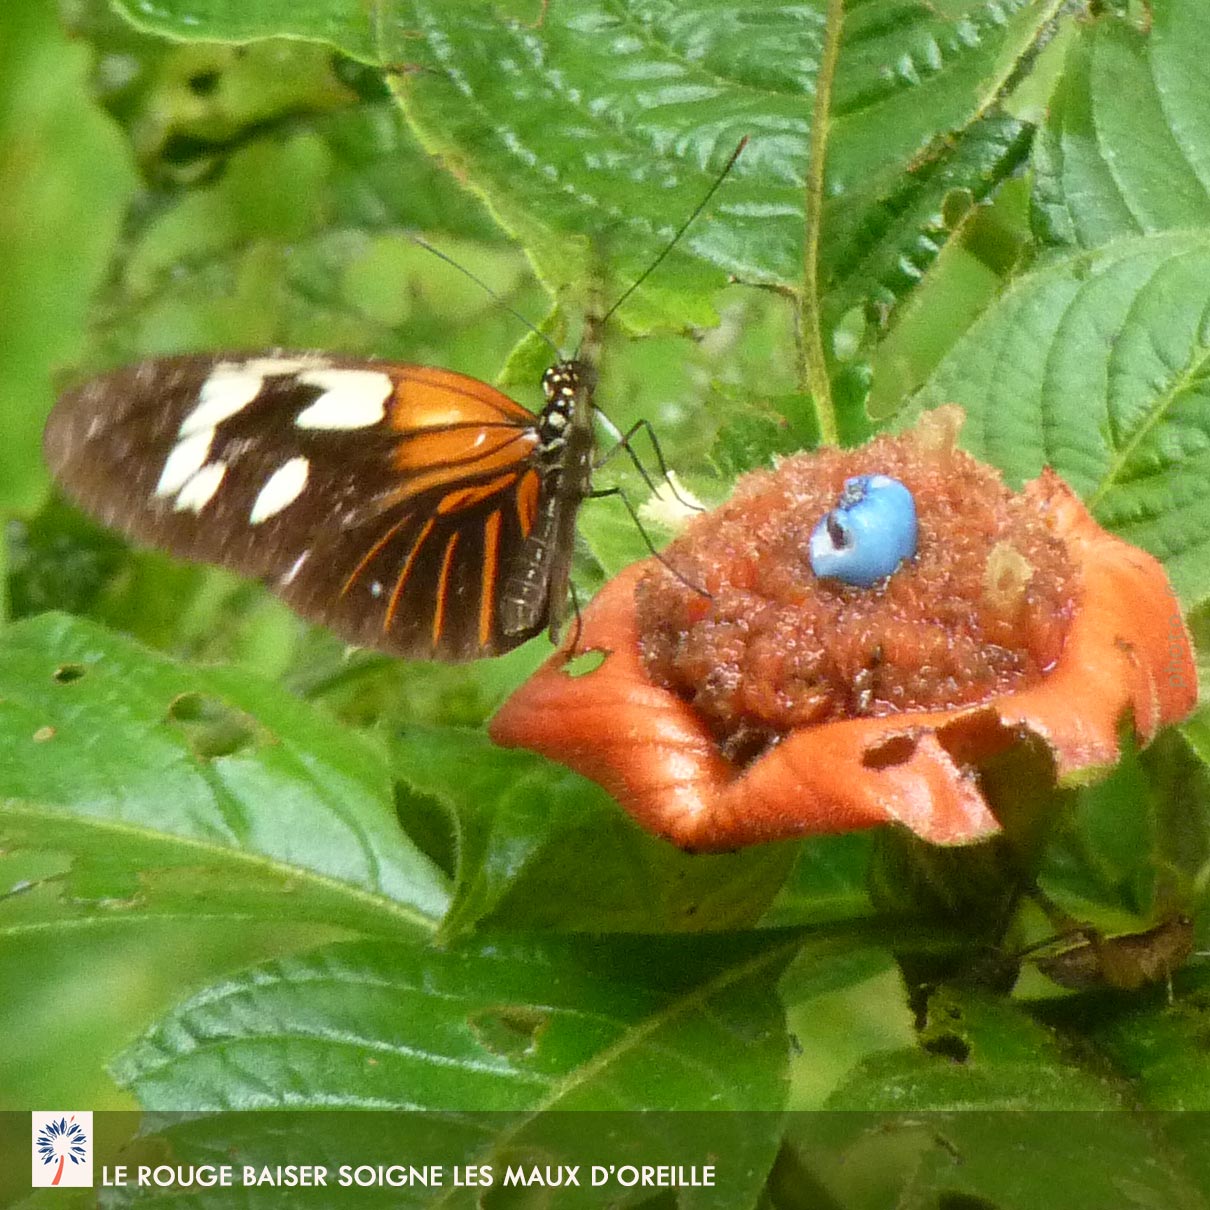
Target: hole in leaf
{"x":585,"y":662}
{"x":850,"y":334}
{"x":212,"y":727}
{"x":509,"y":1030}
{"x":367,"y":82}
{"x":204,"y":83}
{"x":955,"y":206}
{"x":948,"y":1046}
{"x":65,"y":674}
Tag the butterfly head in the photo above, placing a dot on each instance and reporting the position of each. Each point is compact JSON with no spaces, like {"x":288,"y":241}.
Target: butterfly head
{"x":566,"y":380}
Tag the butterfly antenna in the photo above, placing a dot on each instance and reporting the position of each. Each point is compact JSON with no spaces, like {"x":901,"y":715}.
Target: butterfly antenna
{"x":449,"y":260}
{"x":672,"y":243}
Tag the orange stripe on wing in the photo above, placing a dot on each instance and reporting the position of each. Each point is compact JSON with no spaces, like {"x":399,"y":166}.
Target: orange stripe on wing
{"x":443,"y":584}
{"x":461,"y":450}
{"x":464,"y":497}
{"x":529,"y":490}
{"x":406,"y":571}
{"x":491,"y":566}
{"x":355,"y":574}
{"x":428,"y":397}
{"x":447,"y":458}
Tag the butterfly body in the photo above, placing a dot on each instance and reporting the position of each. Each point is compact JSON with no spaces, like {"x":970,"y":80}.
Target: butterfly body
{"x":408,"y":508}
{"x":537,"y":584}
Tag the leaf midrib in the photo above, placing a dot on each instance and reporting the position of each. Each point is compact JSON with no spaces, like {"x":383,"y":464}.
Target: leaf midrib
{"x":412,"y":916}
{"x":699,"y":996}
{"x":1154,"y":416}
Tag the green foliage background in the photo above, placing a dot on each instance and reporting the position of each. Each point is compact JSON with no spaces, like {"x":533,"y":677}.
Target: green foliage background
{"x":246,"y":868}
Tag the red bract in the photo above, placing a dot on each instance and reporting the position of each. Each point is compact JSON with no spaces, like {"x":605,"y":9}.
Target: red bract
{"x":1124,"y":652}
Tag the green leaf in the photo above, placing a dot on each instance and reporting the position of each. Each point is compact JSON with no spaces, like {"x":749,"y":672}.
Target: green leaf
{"x":963,"y":282}
{"x":59,"y":560}
{"x":877,"y":254}
{"x":1133,"y":849}
{"x":828,"y":882}
{"x":355,"y":29}
{"x":594,"y":125}
{"x":976,"y":1052}
{"x":382,"y":178}
{"x":508,"y":1024}
{"x":539,"y":847}
{"x":1096,"y":365}
{"x":178,"y":790}
{"x":328,"y":263}
{"x":1126,"y":149}
{"x":978,"y":1160}
{"x":757,"y":432}
{"x":1004,"y":1083}
{"x":1155,"y":1042}
{"x":64,"y":181}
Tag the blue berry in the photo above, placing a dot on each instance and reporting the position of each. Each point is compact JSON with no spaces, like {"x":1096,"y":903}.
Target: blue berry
{"x":868,"y":534}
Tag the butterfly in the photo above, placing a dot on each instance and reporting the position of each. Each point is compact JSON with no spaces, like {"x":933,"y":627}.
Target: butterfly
{"x":407,"y":508}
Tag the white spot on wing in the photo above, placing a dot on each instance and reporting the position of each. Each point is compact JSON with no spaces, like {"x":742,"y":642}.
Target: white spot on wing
{"x":295,"y":568}
{"x":232,"y":385}
{"x":274,"y":367}
{"x":199,"y":491}
{"x":186,"y":459}
{"x":351,"y":399}
{"x":281,"y":489}
{"x":228,"y":390}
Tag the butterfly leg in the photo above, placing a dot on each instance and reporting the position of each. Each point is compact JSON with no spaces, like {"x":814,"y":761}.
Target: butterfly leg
{"x":578,"y":629}
{"x":623,"y":441}
{"x":601,"y":493}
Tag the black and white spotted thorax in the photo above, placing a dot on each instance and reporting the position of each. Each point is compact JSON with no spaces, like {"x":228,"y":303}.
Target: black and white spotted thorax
{"x":566,"y":385}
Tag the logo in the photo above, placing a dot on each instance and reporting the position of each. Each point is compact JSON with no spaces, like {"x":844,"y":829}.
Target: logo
{"x":62,"y":1150}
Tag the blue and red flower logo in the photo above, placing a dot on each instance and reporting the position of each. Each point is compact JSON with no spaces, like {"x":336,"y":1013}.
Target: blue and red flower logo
{"x":62,"y":1149}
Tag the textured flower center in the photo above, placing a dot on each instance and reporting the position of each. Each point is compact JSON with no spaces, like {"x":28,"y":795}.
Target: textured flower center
{"x":981,"y":609}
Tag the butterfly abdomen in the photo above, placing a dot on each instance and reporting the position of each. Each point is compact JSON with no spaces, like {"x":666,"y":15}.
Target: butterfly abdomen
{"x":535,"y":592}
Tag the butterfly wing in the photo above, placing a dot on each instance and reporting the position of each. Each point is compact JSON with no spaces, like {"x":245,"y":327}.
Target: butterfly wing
{"x":383,"y":500}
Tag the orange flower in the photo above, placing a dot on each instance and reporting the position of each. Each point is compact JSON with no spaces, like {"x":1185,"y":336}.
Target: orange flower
{"x":1111,"y":636}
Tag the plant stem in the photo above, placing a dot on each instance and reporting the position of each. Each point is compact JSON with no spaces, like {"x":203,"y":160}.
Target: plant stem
{"x":817,"y":378}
